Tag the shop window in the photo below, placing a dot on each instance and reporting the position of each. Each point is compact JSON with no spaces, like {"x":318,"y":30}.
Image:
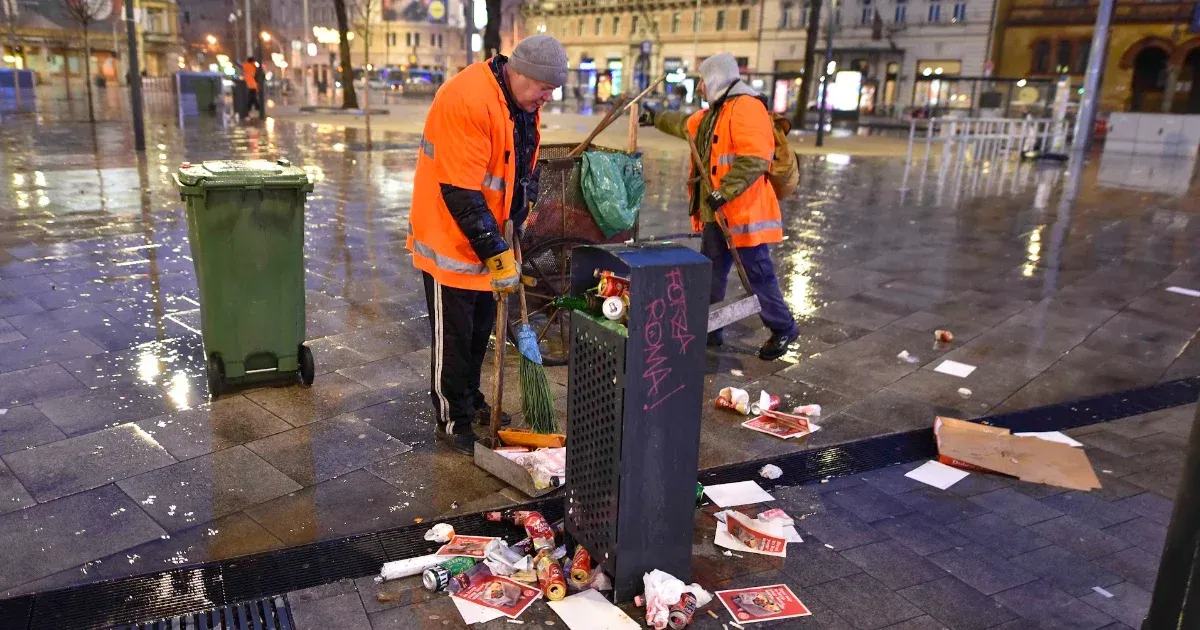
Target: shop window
{"x":1062,"y":56}
{"x":1041,"y":57}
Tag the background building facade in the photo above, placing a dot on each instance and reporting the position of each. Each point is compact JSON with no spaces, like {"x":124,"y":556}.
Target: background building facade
{"x":627,"y":43}
{"x":51,"y":44}
{"x":1153,"y":54}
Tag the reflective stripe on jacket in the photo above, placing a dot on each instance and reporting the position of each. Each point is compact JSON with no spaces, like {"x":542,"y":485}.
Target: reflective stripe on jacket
{"x":743,"y":130}
{"x":467,"y":143}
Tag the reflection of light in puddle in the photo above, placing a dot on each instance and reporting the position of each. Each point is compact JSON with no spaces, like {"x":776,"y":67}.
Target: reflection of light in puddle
{"x":840,"y":159}
{"x":797,"y":291}
{"x":1034,"y":251}
{"x":141,"y":434}
{"x":18,"y":179}
{"x":39,"y":179}
{"x":148,"y":368}
{"x":178,"y":391}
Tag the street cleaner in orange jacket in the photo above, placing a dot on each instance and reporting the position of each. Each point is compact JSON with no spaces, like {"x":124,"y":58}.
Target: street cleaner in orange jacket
{"x":735,"y":137}
{"x":476,"y":170}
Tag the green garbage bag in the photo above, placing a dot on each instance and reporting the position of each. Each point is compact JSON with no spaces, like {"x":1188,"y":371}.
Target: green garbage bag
{"x":613,"y":187}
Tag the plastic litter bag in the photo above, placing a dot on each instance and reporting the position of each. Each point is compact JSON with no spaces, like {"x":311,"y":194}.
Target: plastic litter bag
{"x":613,"y":187}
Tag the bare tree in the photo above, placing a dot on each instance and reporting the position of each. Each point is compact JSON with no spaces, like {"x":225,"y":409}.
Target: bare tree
{"x":85,"y":13}
{"x":349,"y":97}
{"x":365,"y":14}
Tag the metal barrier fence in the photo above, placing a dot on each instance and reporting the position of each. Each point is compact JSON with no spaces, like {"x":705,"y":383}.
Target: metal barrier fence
{"x":983,"y":141}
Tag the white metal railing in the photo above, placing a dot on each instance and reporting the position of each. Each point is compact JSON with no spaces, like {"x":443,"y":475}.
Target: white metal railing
{"x":982,"y":141}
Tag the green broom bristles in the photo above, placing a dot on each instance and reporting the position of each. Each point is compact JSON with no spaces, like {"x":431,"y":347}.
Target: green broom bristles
{"x":537,"y":401}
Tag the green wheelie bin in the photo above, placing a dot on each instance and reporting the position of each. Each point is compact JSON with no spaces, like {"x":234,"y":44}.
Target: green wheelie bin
{"x":245,"y":222}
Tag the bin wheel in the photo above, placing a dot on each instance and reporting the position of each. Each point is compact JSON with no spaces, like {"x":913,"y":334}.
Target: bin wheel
{"x":549,"y":262}
{"x":216,"y":376}
{"x":308,"y":369}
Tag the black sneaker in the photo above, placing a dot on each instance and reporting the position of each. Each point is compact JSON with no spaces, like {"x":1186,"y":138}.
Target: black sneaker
{"x":777,"y":345}
{"x":715,"y":340}
{"x":460,"y":442}
{"x":483,"y":417}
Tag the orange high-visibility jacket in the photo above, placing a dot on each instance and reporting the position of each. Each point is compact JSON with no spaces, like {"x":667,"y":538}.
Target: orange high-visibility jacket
{"x":249,"y":69}
{"x":743,"y":127}
{"x":468,"y":143}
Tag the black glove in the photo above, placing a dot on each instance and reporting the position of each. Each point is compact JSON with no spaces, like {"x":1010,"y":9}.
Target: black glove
{"x":715,"y":200}
{"x":646,"y":118}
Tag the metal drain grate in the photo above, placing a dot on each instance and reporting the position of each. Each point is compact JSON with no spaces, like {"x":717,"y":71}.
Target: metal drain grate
{"x":271,"y":613}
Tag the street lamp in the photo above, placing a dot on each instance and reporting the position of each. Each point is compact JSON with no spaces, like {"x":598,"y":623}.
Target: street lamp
{"x":266,"y":37}
{"x":212,"y":41}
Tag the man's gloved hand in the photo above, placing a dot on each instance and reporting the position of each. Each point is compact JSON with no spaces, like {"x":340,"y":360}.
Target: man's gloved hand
{"x":503,"y":267}
{"x":646,"y":118}
{"x":715,"y":200}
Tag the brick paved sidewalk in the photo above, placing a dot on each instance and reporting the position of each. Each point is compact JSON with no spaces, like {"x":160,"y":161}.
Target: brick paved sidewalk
{"x":883,"y":551}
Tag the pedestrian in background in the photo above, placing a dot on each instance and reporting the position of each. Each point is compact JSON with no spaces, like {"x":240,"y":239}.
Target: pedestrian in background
{"x":735,"y":138}
{"x":250,"y":74}
{"x":475,"y":171}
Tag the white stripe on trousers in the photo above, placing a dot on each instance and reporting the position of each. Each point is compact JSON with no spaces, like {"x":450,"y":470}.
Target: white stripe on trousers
{"x":438,"y":347}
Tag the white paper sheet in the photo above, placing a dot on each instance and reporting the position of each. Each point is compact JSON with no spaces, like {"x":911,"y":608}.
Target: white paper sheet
{"x":473,"y":613}
{"x":589,"y":610}
{"x":1052,"y":436}
{"x":1183,"y":291}
{"x":954,"y":368}
{"x":937,"y":474}
{"x":790,"y":533}
{"x":724,"y":539}
{"x":734,"y":494}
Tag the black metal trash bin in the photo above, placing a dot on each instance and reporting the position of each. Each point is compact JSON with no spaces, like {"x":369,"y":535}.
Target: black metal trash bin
{"x":636,"y":394}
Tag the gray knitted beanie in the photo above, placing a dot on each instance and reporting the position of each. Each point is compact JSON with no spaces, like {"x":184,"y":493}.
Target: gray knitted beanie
{"x":542,"y":58}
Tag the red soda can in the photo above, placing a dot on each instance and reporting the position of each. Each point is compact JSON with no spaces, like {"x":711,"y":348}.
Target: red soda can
{"x":581,"y":565}
{"x":681,"y":614}
{"x":539,"y":530}
{"x":611,"y":285}
{"x":550,"y":577}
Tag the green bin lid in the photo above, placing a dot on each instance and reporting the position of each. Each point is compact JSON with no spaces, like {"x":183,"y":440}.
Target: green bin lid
{"x":240,"y":174}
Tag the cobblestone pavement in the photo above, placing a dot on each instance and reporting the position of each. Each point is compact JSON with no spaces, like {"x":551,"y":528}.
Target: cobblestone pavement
{"x":113,"y":462}
{"x":883,"y":551}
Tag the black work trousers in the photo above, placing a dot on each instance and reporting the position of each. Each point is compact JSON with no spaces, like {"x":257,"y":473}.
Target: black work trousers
{"x":461,"y":321}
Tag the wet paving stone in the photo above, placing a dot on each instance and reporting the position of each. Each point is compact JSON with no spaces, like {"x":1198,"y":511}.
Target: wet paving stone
{"x":100,"y":319}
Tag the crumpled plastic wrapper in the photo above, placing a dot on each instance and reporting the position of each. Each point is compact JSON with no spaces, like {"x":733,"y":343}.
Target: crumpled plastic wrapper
{"x":441,"y":533}
{"x":735,"y":399}
{"x":663,"y":591}
{"x":770,"y":471}
{"x":812,"y":411}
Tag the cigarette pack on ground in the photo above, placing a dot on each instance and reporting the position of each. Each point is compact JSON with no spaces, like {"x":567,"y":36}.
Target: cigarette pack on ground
{"x":983,"y":448}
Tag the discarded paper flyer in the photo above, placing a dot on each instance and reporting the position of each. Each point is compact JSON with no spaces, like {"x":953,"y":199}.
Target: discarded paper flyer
{"x":979,"y":447}
{"x":591,"y":611}
{"x":954,"y":368}
{"x":500,"y":594}
{"x":1183,"y":291}
{"x":474,"y":613}
{"x":789,"y":524}
{"x":471,"y":546}
{"x":772,"y":424}
{"x":738,"y":493}
{"x":763,"y":603}
{"x":937,"y":474}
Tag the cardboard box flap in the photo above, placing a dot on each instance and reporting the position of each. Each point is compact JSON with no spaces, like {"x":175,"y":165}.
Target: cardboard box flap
{"x":1027,"y":458}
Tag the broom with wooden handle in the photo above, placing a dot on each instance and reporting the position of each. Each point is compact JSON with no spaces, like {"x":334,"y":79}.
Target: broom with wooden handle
{"x":537,"y":401}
